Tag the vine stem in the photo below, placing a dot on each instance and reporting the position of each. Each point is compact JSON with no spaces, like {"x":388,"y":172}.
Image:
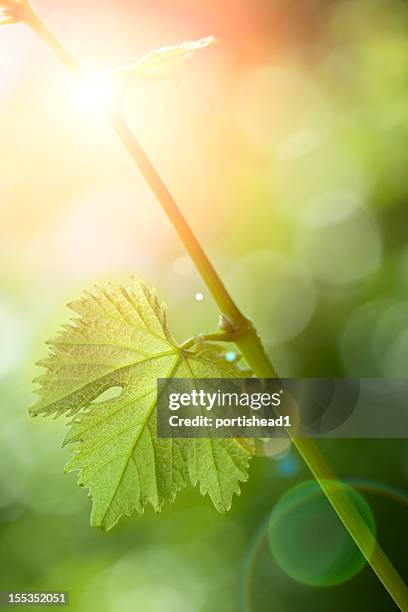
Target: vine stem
{"x":247,"y":340}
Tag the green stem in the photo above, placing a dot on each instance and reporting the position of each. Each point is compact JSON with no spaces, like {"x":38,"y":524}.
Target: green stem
{"x":247,"y":339}
{"x":197,"y":254}
{"x":216,"y":337}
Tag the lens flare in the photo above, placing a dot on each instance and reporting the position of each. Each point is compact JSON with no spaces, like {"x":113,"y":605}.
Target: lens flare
{"x":95,"y":91}
{"x":309,"y":542}
{"x":262,"y":575}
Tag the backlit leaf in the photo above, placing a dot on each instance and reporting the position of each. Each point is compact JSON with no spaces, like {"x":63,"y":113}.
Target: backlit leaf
{"x":164,"y":62}
{"x":121,"y":342}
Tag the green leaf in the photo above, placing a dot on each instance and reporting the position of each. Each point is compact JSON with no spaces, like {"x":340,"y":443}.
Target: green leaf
{"x":160,"y":61}
{"x":121,"y":342}
{"x":164,"y":62}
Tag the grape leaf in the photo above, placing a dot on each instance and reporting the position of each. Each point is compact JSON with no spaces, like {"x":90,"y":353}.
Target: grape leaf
{"x":121,"y":342}
{"x":161,"y":60}
{"x":164,"y":62}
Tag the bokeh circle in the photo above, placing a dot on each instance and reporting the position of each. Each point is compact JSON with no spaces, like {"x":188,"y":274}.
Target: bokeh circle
{"x":308,"y":541}
{"x":271,"y":289}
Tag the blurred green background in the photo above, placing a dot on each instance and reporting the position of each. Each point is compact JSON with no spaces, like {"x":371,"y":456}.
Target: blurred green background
{"x":286,"y":147}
